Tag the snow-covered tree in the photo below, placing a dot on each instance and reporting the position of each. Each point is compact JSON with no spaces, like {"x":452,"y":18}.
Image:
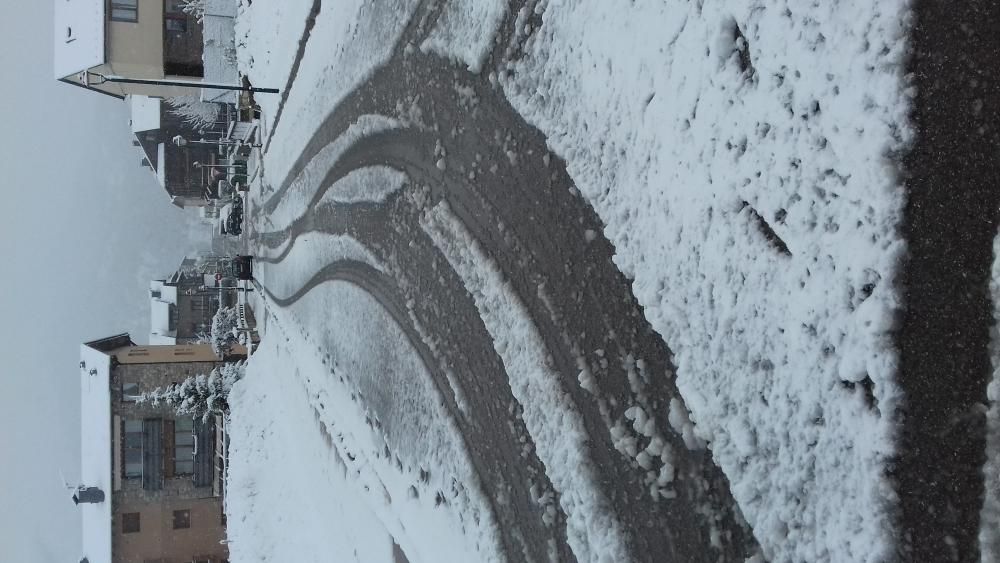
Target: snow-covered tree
{"x":224,"y":329}
{"x":196,"y":113}
{"x":194,"y":8}
{"x":199,"y":396}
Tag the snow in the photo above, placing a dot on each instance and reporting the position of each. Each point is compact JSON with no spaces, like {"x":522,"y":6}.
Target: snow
{"x":95,"y":448}
{"x":308,"y":183}
{"x":555,"y":425}
{"x":743,"y":167}
{"x":372,"y":184}
{"x":198,"y":114}
{"x":161,"y":164}
{"x":465,"y":31}
{"x":761,"y":231}
{"x":219,"y":54}
{"x":989,"y":534}
{"x":290,"y":495}
{"x":349,"y":39}
{"x":159,"y":312}
{"x":78,"y":36}
{"x":145,"y":112}
{"x":310,"y":458}
{"x":311,"y":252}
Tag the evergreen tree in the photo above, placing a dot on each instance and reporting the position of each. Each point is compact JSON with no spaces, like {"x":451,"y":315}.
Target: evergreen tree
{"x":199,"y":396}
{"x":223,"y":329}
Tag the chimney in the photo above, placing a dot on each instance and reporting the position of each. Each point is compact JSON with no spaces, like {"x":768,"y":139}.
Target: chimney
{"x":89,"y":495}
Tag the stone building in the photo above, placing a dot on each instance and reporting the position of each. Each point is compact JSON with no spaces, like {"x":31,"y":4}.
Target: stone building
{"x":157,"y":470}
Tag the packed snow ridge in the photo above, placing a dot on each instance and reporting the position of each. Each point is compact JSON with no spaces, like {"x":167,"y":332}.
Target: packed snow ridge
{"x":743,"y":159}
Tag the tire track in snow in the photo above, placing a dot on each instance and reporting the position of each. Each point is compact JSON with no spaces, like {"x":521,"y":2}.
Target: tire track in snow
{"x":518,"y":203}
{"x":498,"y":459}
{"x":594,"y":283}
{"x":317,"y":5}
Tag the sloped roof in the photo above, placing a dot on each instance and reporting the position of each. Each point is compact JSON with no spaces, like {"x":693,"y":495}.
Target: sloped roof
{"x":78,"y":37}
{"x":95,"y":445}
{"x":145,"y":113}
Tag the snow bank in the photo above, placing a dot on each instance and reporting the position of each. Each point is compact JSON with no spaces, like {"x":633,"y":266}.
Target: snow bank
{"x":371,"y":184}
{"x":742,"y":158}
{"x":375,"y":412}
{"x":266,"y":39}
{"x":309,"y":182}
{"x":594,"y":533}
{"x":290,"y":496}
{"x":465,"y":31}
{"x":349,"y":39}
{"x":219,"y":49}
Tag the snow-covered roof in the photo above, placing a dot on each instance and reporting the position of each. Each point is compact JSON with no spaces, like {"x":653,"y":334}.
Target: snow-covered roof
{"x":166,"y":292}
{"x":161,"y":339}
{"x":161,"y":164}
{"x":95,"y":450}
{"x":219,"y":37}
{"x":145,"y":113}
{"x":161,"y":297}
{"x":79,"y":36}
{"x":159,"y":321}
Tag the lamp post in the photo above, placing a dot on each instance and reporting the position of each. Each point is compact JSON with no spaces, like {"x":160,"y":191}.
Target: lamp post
{"x":180,"y":141}
{"x":197,"y":164}
{"x":98,"y":78}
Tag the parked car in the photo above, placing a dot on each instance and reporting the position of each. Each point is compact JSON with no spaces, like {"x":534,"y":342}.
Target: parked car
{"x":243,"y":267}
{"x":233,"y":224}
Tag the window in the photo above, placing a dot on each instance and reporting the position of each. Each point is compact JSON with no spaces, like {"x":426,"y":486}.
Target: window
{"x":125,"y":10}
{"x":130,"y":523}
{"x":182,"y":519}
{"x":132,"y":446}
{"x":130,"y":391}
{"x":176,"y":24}
{"x":184,"y":446}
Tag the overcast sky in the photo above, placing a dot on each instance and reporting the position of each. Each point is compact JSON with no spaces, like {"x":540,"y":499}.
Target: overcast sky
{"x":83,"y":229}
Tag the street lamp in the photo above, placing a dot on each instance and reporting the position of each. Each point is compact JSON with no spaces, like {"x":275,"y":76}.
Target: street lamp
{"x":197,"y":164}
{"x":180,"y":141}
{"x":89,"y":78}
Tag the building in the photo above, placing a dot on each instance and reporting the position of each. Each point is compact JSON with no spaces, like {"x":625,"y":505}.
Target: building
{"x":187,"y":171}
{"x":182,"y":306}
{"x":148,"y":477}
{"x":134,"y":39}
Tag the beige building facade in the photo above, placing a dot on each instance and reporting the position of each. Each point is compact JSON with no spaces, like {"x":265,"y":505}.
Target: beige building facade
{"x":133,"y":39}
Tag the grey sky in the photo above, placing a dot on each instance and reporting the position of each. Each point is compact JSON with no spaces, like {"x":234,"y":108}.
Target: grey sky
{"x":83,"y":229}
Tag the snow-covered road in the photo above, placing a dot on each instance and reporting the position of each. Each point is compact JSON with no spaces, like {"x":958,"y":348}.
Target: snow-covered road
{"x":562,"y":396}
{"x":562,"y":281}
{"x":576,"y":436}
